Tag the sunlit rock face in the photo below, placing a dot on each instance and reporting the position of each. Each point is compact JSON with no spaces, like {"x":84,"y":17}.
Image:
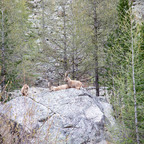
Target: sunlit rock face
{"x":67,"y":116}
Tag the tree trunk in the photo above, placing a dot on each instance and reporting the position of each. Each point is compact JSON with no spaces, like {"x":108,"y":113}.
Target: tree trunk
{"x":65,"y":42}
{"x":73,"y":60}
{"x":96,"y":50}
{"x":43,"y":25}
{"x":73,"y":45}
{"x":134,"y":90}
{"x":3,"y":69}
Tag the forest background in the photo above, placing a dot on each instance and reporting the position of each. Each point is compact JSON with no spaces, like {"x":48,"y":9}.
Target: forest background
{"x":99,"y":42}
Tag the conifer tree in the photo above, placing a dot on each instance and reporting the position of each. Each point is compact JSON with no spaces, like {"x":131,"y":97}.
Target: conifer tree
{"x":123,"y":51}
{"x":18,"y":41}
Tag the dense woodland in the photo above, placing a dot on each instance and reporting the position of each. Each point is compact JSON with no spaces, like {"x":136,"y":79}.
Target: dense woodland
{"x":98,"y":42}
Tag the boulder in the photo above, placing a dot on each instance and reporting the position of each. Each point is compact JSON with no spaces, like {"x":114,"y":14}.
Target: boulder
{"x":25,"y":112}
{"x":41,"y":82}
{"x":67,"y":116}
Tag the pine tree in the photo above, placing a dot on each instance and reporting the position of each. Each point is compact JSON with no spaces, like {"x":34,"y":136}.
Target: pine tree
{"x":123,"y":51}
{"x":18,"y":41}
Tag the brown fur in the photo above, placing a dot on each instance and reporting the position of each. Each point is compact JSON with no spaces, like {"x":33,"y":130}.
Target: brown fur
{"x":24,"y":90}
{"x":54,"y":88}
{"x":72,"y":83}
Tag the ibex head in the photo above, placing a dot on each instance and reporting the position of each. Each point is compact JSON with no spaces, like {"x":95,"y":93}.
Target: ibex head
{"x":66,"y":79}
{"x":24,"y":90}
{"x":49,"y":84}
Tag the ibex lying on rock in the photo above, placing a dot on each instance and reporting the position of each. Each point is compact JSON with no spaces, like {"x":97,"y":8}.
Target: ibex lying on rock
{"x":54,"y":88}
{"x":72,"y":83}
{"x":24,"y":90}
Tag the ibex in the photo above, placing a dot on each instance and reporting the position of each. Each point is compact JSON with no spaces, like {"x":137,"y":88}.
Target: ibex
{"x":54,"y":88}
{"x":72,"y":83}
{"x":24,"y":90}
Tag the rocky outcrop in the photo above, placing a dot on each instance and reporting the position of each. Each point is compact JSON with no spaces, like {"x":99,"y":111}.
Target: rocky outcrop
{"x":67,"y":116}
{"x":12,"y":132}
{"x":41,"y":82}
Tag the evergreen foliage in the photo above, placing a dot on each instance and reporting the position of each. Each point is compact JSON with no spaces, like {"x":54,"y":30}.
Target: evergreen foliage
{"x":119,"y":46}
{"x":19,"y":42}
